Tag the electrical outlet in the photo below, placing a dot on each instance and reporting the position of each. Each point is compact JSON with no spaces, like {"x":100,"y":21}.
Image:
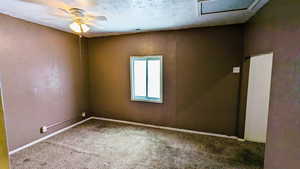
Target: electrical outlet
{"x":44,"y":129}
{"x":83,"y":114}
{"x":236,"y":70}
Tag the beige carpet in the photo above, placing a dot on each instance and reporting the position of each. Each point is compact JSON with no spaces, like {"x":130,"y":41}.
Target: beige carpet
{"x":106,"y":145}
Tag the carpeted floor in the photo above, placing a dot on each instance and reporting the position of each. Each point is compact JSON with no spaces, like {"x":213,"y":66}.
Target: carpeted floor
{"x":106,"y":145}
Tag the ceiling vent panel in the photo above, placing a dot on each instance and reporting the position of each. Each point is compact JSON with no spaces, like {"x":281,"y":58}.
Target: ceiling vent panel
{"x":220,"y":6}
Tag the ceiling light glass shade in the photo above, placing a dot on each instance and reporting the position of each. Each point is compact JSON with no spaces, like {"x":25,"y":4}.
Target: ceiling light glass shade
{"x":75,"y":27}
{"x":79,"y":28}
{"x":84,"y":28}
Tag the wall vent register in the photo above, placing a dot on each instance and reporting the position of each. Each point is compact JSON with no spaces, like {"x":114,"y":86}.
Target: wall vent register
{"x":146,"y":74}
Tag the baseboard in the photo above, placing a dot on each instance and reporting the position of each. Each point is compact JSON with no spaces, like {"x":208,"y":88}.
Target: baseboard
{"x":48,"y":136}
{"x":167,"y":128}
{"x":124,"y":122}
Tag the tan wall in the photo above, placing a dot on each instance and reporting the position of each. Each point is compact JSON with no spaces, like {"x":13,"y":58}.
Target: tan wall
{"x":277,"y":28}
{"x":42,"y":78}
{"x":201,"y":93}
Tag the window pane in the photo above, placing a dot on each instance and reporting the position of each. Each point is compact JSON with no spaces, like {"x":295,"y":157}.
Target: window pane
{"x":154,"y":78}
{"x":139,"y":77}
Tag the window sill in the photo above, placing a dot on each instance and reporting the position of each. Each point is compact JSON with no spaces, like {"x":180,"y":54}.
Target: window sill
{"x":147,"y":101}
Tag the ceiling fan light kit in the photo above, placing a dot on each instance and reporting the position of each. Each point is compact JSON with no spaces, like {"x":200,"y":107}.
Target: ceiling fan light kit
{"x":79,"y":27}
{"x":81,"y":20}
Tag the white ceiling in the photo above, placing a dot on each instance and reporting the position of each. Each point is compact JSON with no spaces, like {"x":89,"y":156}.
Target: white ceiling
{"x":125,"y":16}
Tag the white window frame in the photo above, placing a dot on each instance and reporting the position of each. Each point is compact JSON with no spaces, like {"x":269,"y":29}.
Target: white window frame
{"x":146,"y":99}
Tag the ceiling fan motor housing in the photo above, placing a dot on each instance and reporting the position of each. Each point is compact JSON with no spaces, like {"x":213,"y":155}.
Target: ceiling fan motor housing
{"x":76,"y":12}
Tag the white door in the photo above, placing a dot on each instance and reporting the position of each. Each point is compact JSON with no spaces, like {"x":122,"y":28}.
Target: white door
{"x":258,"y":98}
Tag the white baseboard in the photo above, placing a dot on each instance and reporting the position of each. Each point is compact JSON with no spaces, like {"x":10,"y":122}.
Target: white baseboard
{"x":125,"y":122}
{"x":167,"y":128}
{"x":48,"y":136}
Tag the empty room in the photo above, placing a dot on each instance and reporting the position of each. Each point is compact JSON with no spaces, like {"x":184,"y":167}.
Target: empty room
{"x":150,"y":84}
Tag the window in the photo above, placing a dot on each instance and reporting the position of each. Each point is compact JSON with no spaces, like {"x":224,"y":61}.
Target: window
{"x":146,"y":79}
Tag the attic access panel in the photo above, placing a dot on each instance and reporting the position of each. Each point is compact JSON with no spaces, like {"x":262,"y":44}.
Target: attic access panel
{"x":219,"y":6}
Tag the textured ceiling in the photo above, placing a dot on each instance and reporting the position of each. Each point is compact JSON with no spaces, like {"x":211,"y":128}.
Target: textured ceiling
{"x":125,"y":16}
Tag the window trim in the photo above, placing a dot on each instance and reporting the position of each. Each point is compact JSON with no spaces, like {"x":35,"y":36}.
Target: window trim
{"x":141,"y":98}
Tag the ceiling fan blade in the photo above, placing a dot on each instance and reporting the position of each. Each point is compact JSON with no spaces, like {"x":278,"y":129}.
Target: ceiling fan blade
{"x":68,"y":18}
{"x":99,"y":18}
{"x":87,"y":3}
{"x":94,"y":25}
{"x":61,"y":13}
{"x":49,"y":3}
{"x":65,"y":11}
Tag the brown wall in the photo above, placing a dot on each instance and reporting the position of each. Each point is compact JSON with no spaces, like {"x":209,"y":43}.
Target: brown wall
{"x":42,"y":81}
{"x":245,"y":68}
{"x":277,"y":28}
{"x":201,"y":93}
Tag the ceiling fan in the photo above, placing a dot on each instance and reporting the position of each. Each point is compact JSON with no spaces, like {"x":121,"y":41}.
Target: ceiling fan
{"x":80,"y":19}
